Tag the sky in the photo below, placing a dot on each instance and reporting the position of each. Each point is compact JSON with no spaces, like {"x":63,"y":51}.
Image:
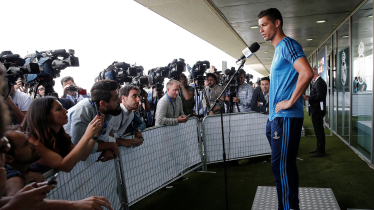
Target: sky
{"x":101,"y":32}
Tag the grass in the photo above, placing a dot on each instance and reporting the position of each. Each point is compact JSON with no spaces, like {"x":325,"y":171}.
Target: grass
{"x":349,"y":177}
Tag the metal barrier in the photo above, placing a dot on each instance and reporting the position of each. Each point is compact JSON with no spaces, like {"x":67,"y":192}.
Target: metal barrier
{"x":165,"y":155}
{"x":244,"y":135}
{"x":89,"y":178}
{"x":168,"y":153}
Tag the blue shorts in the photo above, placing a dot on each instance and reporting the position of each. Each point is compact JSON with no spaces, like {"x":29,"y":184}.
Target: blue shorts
{"x":284,"y":134}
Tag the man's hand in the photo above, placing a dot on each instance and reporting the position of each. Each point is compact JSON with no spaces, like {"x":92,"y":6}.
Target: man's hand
{"x":182,"y":119}
{"x":211,"y":113}
{"x":34,"y":177}
{"x":105,"y":156}
{"x":93,"y":202}
{"x":138,"y":134}
{"x":305,"y":97}
{"x":30,"y":197}
{"x":137,"y":142}
{"x":236,"y":100}
{"x":227,"y":98}
{"x":282,"y":105}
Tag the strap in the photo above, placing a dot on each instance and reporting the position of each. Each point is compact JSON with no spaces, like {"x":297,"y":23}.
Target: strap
{"x":172,"y":104}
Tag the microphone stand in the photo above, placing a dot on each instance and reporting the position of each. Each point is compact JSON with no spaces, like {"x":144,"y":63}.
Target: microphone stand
{"x":220,"y":103}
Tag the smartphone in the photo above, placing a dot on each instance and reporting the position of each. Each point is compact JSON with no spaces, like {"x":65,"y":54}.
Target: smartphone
{"x":52,"y":179}
{"x":97,"y":109}
{"x":189,"y":115}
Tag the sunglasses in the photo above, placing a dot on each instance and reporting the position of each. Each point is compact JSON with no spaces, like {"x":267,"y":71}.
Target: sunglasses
{"x":41,"y":88}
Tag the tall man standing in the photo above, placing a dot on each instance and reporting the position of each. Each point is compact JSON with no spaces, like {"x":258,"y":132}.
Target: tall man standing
{"x":290,"y":77}
{"x":317,"y":110}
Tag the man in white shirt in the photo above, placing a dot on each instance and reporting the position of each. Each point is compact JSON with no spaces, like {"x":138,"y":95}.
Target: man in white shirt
{"x":130,"y":98}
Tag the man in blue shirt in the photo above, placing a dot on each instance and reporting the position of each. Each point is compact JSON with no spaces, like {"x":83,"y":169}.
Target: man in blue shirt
{"x":105,"y":103}
{"x":290,"y":76}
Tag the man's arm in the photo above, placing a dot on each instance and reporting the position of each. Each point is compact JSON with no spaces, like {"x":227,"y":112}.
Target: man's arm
{"x":13,"y":185}
{"x":18,"y":114}
{"x":305,"y":76}
{"x":93,"y":202}
{"x":79,"y":122}
{"x":187,"y":95}
{"x":254,"y":102}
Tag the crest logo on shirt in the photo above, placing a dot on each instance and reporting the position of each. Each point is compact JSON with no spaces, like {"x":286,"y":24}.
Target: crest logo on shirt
{"x":343,"y":70}
{"x":276,"y":135}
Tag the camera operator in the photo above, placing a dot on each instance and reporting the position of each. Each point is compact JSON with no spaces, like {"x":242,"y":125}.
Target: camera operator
{"x":105,"y":101}
{"x":187,"y":95}
{"x":18,"y":159}
{"x":18,"y":103}
{"x":244,"y":93}
{"x":169,"y":108}
{"x":212,"y":91}
{"x":130,"y":98}
{"x":260,"y":99}
{"x":72,"y":91}
{"x":20,"y":86}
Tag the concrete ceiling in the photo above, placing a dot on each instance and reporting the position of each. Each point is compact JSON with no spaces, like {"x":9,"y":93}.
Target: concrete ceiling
{"x":227,"y":24}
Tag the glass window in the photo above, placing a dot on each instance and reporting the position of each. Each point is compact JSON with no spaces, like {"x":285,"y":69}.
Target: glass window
{"x":343,"y":81}
{"x":362,"y":93}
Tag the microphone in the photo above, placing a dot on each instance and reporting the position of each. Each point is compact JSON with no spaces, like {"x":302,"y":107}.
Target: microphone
{"x":249,"y":51}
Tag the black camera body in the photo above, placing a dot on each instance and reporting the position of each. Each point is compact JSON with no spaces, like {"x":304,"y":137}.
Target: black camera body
{"x":198,"y":71}
{"x":176,"y":68}
{"x":158,"y":75}
{"x":50,"y":62}
{"x":16,"y":69}
{"x":233,"y":83}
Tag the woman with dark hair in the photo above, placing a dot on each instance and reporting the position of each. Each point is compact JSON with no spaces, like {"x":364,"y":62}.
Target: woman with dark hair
{"x":44,"y":123}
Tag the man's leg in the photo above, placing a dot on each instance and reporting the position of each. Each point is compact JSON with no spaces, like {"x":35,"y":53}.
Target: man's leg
{"x":319,"y":131}
{"x":285,"y":139}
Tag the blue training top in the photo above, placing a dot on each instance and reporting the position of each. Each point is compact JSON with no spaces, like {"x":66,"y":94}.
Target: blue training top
{"x":284,"y":77}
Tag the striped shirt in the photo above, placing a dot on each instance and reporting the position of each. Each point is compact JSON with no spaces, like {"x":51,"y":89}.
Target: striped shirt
{"x":244,"y":93}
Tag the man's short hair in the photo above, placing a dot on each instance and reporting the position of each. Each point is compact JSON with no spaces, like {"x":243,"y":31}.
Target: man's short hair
{"x":65,"y":79}
{"x":211,"y":75}
{"x":241,"y":71}
{"x":125,"y":91}
{"x":100,"y":91}
{"x":272,"y":14}
{"x":172,"y":82}
{"x":265,"y":78}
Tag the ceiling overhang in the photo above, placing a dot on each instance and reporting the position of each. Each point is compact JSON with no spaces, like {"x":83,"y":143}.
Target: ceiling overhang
{"x":227,"y":24}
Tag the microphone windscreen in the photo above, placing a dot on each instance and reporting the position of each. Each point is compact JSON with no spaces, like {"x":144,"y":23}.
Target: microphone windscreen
{"x":254,"y":47}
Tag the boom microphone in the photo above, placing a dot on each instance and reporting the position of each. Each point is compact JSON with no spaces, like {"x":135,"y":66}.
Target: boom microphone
{"x":249,"y":51}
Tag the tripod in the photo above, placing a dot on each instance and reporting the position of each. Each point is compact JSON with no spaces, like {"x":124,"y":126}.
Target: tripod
{"x":220,"y":103}
{"x":230,"y":107}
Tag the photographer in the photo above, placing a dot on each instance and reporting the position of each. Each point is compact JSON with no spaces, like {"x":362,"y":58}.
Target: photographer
{"x":130,"y":98}
{"x":21,"y":155}
{"x":244,"y":93}
{"x":20,"y":86}
{"x":19,"y":103}
{"x":72,"y":91}
{"x":104,"y":101}
{"x":212,"y":91}
{"x":169,"y":108}
{"x":187,"y":95}
{"x":260,"y":99}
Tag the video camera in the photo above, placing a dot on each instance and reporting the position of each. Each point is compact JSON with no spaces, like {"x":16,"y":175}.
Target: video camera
{"x":121,"y":72}
{"x":176,"y":68}
{"x":157,"y":76}
{"x":16,"y":69}
{"x":248,"y":78}
{"x":198,"y":71}
{"x":51,"y":63}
